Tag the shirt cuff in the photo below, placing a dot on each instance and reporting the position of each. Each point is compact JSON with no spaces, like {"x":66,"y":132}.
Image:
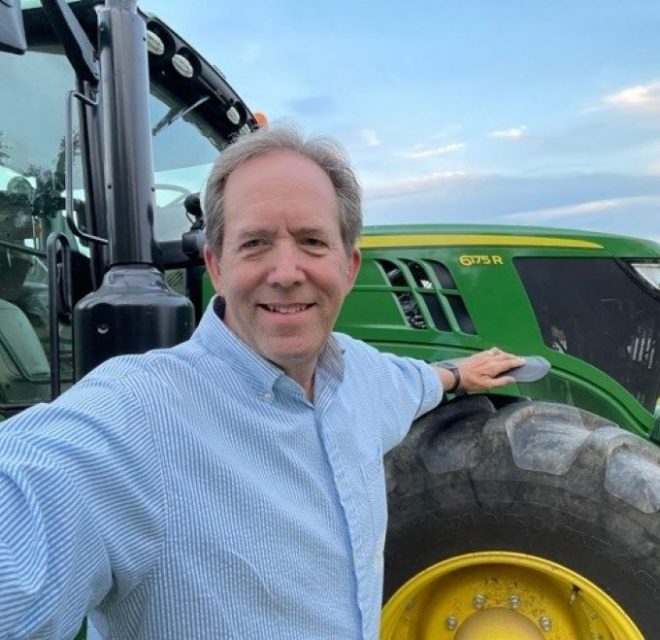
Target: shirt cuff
{"x":431,"y":389}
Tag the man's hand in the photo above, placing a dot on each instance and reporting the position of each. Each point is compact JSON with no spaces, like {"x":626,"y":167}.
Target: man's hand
{"x":480,"y":372}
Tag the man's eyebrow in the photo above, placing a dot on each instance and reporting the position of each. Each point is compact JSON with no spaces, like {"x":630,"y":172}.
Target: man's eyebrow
{"x":256,"y":232}
{"x":310,"y":231}
{"x":270,"y":234}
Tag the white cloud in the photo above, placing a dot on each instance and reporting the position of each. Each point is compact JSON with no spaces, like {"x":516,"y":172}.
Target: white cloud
{"x":369,"y":137}
{"x":375,"y":188}
{"x":514,"y":132}
{"x":641,"y":97}
{"x":608,"y":206}
{"x":420,"y":152}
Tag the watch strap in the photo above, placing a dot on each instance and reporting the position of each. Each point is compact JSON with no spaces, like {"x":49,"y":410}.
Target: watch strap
{"x":452,"y":368}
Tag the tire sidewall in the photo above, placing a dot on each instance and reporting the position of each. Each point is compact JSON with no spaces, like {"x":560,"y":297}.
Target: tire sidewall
{"x":494,"y":505}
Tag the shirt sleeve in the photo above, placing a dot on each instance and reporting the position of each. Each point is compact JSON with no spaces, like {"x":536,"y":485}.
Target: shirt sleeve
{"x":401,"y":388}
{"x":81,"y":507}
{"x":415,"y":390}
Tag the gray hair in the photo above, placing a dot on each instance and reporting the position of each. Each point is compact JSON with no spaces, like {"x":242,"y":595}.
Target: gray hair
{"x":325,"y":152}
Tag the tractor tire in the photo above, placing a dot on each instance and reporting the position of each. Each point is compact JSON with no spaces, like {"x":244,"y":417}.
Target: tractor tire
{"x":528,"y":520}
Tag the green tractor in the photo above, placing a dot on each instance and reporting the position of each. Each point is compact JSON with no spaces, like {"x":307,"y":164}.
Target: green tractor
{"x":527,"y":513}
{"x":522,"y":514}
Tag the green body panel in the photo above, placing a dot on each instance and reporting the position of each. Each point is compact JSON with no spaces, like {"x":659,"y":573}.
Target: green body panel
{"x":481,"y":261}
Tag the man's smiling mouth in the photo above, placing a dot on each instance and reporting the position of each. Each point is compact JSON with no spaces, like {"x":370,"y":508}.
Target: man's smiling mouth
{"x":286,"y":308}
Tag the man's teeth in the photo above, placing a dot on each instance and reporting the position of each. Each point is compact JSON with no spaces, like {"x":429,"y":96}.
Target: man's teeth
{"x":289,"y":308}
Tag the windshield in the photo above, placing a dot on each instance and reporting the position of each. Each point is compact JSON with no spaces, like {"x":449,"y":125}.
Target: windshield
{"x":183,"y":155}
{"x":32,"y":121}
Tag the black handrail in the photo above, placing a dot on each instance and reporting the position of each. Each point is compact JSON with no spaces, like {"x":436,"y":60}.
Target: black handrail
{"x":60,"y":300}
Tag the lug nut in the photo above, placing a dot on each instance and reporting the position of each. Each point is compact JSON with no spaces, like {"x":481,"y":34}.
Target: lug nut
{"x":451,"y":622}
{"x":514,"y":602}
{"x":479,"y":601}
{"x":545,"y":623}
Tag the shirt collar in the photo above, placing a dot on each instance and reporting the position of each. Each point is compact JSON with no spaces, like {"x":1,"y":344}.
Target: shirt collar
{"x":259,"y":373}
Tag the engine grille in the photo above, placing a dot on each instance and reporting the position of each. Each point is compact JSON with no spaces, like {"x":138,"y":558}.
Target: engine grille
{"x":427,"y":296}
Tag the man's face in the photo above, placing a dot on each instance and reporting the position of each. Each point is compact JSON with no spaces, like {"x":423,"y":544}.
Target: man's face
{"x":283,"y":270}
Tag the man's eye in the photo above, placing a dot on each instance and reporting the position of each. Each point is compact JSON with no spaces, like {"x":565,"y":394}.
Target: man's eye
{"x":255,"y":243}
{"x":313,"y":243}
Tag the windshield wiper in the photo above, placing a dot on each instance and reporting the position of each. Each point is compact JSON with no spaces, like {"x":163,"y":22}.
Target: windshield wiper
{"x":174,"y":114}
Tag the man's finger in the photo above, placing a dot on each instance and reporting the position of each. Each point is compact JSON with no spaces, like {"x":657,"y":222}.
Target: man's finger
{"x":511,"y":362}
{"x":500,"y":381}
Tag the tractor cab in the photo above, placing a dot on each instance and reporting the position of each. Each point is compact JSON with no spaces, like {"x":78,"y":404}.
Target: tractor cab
{"x":65,"y":164}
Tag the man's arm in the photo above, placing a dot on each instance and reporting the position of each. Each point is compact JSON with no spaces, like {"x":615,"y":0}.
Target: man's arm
{"x":45,"y":546}
{"x":480,"y":372}
{"x":81,"y":507}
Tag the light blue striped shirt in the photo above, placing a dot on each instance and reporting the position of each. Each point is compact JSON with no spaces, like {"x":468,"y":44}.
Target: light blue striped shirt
{"x":194,"y":492}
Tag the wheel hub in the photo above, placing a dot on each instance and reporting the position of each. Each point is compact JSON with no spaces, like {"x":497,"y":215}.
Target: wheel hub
{"x":498,"y":624}
{"x":503,"y":595}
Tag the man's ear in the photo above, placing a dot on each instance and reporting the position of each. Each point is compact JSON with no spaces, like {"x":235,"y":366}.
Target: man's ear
{"x":213,"y":269}
{"x":355,"y":261}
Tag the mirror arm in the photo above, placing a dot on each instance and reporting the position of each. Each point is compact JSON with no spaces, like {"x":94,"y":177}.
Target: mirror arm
{"x":79,"y":50}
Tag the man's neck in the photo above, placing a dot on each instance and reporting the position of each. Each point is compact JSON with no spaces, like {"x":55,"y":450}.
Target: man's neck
{"x":305,"y":380}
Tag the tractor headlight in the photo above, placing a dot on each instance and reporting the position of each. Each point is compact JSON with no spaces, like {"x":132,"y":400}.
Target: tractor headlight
{"x":650,"y":271}
{"x":155,"y":43}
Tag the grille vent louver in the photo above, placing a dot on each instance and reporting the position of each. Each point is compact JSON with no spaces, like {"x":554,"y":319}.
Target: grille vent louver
{"x":427,"y":295}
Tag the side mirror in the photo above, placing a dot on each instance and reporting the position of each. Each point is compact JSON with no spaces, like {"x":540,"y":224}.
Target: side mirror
{"x":12,"y":31}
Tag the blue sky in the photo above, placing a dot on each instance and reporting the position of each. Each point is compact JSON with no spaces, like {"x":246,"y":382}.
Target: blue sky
{"x":460,"y":111}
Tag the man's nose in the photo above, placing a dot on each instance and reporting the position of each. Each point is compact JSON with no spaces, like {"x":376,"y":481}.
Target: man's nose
{"x":286,"y":267}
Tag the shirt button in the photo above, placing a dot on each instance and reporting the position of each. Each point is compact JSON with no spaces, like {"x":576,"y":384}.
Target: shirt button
{"x":267,"y":397}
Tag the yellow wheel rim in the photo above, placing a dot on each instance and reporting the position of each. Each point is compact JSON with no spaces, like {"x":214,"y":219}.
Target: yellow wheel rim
{"x":503,"y":596}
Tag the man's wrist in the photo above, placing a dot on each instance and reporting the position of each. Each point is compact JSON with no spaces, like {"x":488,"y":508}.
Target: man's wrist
{"x":455,"y":387}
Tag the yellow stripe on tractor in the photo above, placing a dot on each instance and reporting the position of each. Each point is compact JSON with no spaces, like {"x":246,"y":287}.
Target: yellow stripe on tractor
{"x":434,"y":240}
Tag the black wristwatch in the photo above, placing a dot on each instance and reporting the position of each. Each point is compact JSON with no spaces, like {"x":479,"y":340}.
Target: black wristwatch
{"x":450,"y":366}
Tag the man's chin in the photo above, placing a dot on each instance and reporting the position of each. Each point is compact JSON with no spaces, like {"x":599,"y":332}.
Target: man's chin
{"x":292,"y":359}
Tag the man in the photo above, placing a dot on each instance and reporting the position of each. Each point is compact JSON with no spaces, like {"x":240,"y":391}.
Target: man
{"x":230,"y":487}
